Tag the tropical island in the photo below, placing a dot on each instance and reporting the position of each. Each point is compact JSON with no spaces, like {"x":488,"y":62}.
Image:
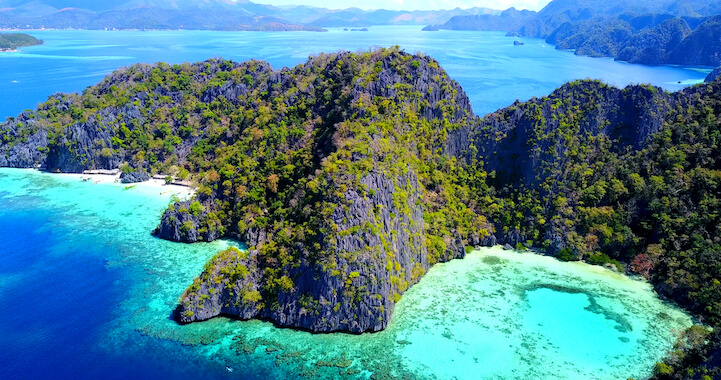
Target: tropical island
{"x":13,"y":41}
{"x":662,"y":32}
{"x":351,"y":175}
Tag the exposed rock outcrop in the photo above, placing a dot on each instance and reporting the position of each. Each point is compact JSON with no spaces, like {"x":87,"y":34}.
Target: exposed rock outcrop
{"x":134,"y":177}
{"x":356,"y":291}
{"x":379,"y":247}
{"x":629,"y":116}
{"x":188,"y":222}
{"x":524,"y":152}
{"x":338,"y":215}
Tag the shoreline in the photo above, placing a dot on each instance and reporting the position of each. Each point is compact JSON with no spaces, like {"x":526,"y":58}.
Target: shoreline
{"x":163,"y":189}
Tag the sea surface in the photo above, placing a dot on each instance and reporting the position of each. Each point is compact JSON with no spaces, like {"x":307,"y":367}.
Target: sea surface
{"x":490,"y":68}
{"x":87,"y":293}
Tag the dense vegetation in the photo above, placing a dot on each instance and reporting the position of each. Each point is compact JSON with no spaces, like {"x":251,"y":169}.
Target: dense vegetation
{"x":334,"y":167}
{"x":629,"y":178}
{"x":11,"y":41}
{"x":670,"y":42}
{"x":349,"y":176}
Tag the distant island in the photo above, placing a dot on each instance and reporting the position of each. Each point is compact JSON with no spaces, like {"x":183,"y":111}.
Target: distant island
{"x":510,"y":19}
{"x":13,"y":41}
{"x":219,"y":15}
{"x":663,"y":32}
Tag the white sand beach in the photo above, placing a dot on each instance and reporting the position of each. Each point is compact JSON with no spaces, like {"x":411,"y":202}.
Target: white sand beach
{"x":181,"y":192}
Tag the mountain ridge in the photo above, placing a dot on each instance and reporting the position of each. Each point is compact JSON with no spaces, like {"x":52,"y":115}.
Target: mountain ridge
{"x":666,"y":32}
{"x":195,"y":14}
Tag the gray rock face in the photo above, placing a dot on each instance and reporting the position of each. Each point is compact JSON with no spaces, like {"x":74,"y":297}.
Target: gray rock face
{"x":355,"y":261}
{"x":182,"y":223}
{"x":23,"y":144}
{"x":224,"y":291}
{"x":434,"y":92}
{"x":380,"y":252}
{"x":28,"y":154}
{"x":134,"y":177}
{"x":82,"y":148}
{"x":714,"y":76}
{"x":629,"y":116}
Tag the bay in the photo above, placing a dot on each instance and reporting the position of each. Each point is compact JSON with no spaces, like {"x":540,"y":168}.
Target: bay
{"x":490,"y":68}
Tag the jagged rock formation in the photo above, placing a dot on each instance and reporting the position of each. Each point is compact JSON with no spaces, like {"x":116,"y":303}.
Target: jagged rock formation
{"x":381,"y":244}
{"x":341,"y":216}
{"x":23,"y":145}
{"x":627,"y":117}
{"x":181,"y":220}
{"x":523,"y":148}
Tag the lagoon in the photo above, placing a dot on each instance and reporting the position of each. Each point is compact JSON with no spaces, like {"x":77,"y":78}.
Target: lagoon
{"x":89,"y":293}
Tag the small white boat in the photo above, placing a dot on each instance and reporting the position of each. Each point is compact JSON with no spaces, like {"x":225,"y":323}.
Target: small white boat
{"x":15,"y":81}
{"x":229,"y":369}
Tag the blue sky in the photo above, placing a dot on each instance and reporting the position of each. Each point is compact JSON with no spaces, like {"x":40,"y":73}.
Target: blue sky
{"x":415,"y":4}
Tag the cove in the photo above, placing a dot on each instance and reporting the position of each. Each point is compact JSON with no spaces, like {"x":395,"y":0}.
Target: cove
{"x":91,"y":293}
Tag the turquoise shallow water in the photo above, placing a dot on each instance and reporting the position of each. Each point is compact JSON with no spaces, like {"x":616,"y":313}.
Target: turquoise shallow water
{"x":490,"y":68}
{"x":89,"y":294}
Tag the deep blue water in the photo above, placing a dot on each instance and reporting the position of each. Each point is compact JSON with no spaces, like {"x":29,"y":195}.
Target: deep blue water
{"x":66,"y":278}
{"x":491,"y":69}
{"x":86,"y":292}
